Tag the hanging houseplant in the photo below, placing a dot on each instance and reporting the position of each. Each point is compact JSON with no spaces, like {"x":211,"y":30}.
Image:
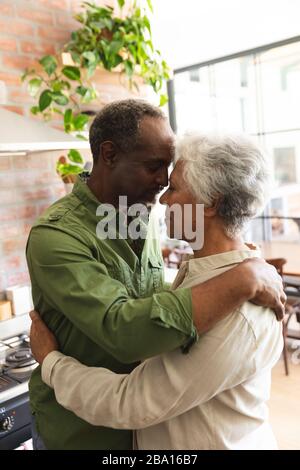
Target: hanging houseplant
{"x":105,"y":40}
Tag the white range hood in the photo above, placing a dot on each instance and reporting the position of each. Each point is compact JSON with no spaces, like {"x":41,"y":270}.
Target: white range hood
{"x":19,"y":134}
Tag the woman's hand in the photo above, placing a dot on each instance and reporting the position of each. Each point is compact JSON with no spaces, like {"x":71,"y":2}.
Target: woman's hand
{"x":42,"y":340}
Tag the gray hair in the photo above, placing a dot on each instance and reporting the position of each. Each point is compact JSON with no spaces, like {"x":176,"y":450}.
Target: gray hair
{"x":119,"y":122}
{"x":231,"y":168}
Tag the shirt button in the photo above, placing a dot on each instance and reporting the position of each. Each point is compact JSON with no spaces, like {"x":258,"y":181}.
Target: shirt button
{"x":54,"y":217}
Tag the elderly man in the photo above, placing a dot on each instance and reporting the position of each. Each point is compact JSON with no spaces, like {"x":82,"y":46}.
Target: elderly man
{"x":103,"y":298}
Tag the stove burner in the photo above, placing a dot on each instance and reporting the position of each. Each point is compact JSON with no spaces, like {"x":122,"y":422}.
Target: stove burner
{"x":20,"y":359}
{"x":19,"y":356}
{"x":16,"y":361}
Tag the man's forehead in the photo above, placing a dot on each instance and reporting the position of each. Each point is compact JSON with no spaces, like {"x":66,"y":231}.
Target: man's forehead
{"x":156,"y":151}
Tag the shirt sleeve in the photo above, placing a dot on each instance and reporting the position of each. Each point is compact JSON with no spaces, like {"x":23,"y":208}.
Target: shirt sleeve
{"x":72,"y":281}
{"x":159,"y":389}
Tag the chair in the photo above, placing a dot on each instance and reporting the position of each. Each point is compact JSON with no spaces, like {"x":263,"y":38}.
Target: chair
{"x":292,"y":306}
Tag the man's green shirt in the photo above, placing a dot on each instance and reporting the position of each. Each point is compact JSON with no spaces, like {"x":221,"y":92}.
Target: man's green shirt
{"x":104,"y":303}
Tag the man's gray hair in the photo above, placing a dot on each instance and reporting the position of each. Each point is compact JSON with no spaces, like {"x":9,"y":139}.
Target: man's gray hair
{"x":119,"y":122}
{"x":229,"y":167}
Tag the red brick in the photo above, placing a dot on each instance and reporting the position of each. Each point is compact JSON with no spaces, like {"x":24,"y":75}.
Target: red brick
{"x":8,"y":44}
{"x":66,"y":21}
{"x":54,"y":34}
{"x":19,"y":28}
{"x":13,"y":262}
{"x":59,"y":192}
{"x":6,"y":10}
{"x":7,"y":196}
{"x":30,"y":161}
{"x":14,"y":109}
{"x":37,"y":48}
{"x":18,"y":278}
{"x":9,"y":231}
{"x":10,"y":79}
{"x":55,"y":4}
{"x":43,"y":207}
{"x":20,"y":97}
{"x":47,"y":178}
{"x":36,"y":16}
{"x":18,"y":62}
{"x":38,"y":194}
{"x":22,"y":179}
{"x":4,"y":165}
{"x":26,"y":229}
{"x":13,"y":245}
{"x":6,"y":181}
{"x":27,"y":212}
{"x":8,"y":214}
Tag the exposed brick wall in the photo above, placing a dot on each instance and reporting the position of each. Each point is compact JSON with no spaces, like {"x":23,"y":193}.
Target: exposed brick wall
{"x":27,"y":186}
{"x":28,"y":30}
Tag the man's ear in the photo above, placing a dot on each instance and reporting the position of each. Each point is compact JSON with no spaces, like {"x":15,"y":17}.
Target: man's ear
{"x":108,"y":153}
{"x":212,"y":210}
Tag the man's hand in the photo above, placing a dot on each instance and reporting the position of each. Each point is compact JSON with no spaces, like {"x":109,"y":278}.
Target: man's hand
{"x":269,"y":288}
{"x":42,"y":340}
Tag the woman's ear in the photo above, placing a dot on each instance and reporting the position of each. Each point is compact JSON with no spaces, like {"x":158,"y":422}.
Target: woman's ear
{"x":212,"y":210}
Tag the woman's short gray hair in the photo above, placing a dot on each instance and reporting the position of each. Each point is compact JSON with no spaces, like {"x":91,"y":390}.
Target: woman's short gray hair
{"x":229,"y":167}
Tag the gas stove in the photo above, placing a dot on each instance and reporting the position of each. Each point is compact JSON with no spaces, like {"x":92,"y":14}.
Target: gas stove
{"x":16,"y":366}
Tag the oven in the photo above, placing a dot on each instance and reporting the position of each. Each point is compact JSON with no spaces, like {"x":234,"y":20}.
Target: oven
{"x":16,"y":365}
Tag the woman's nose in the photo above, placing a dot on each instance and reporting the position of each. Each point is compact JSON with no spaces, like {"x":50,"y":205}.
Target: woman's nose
{"x":164,"y":198}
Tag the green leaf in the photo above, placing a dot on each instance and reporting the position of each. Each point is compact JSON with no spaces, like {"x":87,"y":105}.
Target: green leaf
{"x":34,"y":85}
{"x":81,"y":90}
{"x":115,"y":46}
{"x":34,"y":110}
{"x":128,"y":68}
{"x":163,"y":100}
{"x":121,"y":3}
{"x":58,"y":85}
{"x":91,"y":70}
{"x":117,"y":60}
{"x":49,"y":63}
{"x":76,"y":57}
{"x":58,"y":111}
{"x":73,"y":73}
{"x":149,"y":2}
{"x":60,"y":98}
{"x":147,"y":23}
{"x":90,"y":57}
{"x":87,"y":94}
{"x":81,"y":137}
{"x":80,"y":121}
{"x":75,"y":156}
{"x":65,"y":169}
{"x":68,"y":116}
{"x":45,"y":100}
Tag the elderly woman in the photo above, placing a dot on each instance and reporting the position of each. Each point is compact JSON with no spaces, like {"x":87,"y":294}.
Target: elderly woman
{"x":213,"y":397}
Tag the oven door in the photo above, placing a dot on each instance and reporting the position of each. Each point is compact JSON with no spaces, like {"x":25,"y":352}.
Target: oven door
{"x":15,"y":422}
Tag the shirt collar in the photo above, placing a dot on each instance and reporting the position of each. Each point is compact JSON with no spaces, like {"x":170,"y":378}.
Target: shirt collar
{"x":83,"y":192}
{"x":221,"y":260}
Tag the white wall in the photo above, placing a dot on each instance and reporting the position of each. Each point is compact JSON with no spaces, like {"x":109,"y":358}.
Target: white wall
{"x":191,"y":31}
